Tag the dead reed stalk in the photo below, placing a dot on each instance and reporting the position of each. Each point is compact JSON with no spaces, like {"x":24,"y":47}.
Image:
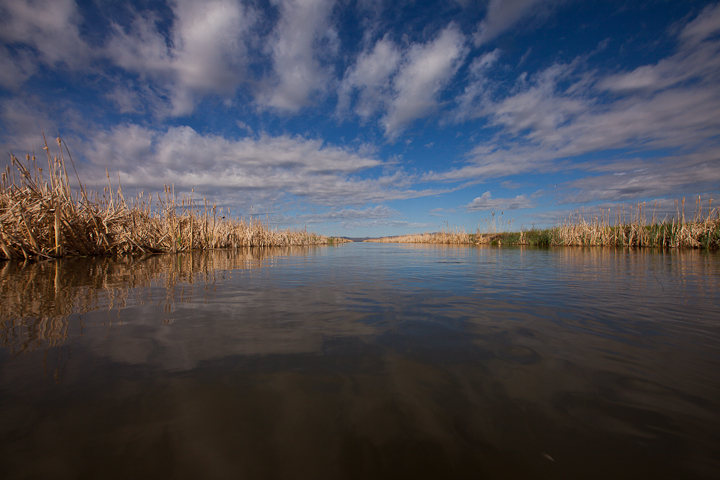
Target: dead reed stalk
{"x":626,"y":228}
{"x":631,"y":229}
{"x":42,"y":216}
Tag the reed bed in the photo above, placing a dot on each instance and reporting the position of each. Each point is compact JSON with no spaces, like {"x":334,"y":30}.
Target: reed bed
{"x":42,"y":216}
{"x":632,"y":229}
{"x":629,"y":228}
{"x":449,"y":236}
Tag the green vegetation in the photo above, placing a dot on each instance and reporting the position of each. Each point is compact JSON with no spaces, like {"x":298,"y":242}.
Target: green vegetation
{"x":41,"y":216}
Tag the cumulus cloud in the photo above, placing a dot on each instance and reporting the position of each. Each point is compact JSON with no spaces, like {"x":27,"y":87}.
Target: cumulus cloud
{"x":126,"y":100}
{"x":205,"y":53}
{"x":402,"y":82}
{"x":181,"y":151}
{"x":503,"y":15}
{"x":301,"y":37}
{"x":371,"y":76}
{"x":242,"y":172}
{"x":427,"y":69}
{"x":40,"y":33}
{"x":49,"y":27}
{"x":485,"y":202}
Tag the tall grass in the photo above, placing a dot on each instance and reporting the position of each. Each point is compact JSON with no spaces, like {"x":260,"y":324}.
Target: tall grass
{"x":632,"y":229}
{"x":42,"y":216}
{"x":626,"y":228}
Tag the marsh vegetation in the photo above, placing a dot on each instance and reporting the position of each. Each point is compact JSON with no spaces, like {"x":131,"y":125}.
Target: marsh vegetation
{"x":618,"y":229}
{"x":43,"y":216}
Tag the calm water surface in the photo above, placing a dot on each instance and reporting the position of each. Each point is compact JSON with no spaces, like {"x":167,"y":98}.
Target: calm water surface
{"x":363,"y":361}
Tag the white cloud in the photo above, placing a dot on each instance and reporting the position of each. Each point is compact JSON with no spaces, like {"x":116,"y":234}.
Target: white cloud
{"x":370,"y":75}
{"x":43,"y":32}
{"x":403,"y":82}
{"x":538,"y":109}
{"x":344,"y":215}
{"x":126,"y":100}
{"x":697,"y":59}
{"x":439,"y":212}
{"x":206,"y":52}
{"x":15,"y":67}
{"x":626,"y":180}
{"x":426,"y":70}
{"x":477,"y":89}
{"x":302,"y":35}
{"x":556,"y":114}
{"x":241,"y":172}
{"x":50,"y":27}
{"x":503,"y":15}
{"x":485,"y":202}
{"x":642,"y":77}
{"x":706,"y":24}
{"x":384,"y":223}
{"x":23,"y":120}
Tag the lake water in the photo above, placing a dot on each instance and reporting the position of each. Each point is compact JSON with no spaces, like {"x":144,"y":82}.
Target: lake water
{"x":363,"y":361}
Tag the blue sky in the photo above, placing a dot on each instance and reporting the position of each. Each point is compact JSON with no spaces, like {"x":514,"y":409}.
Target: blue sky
{"x":371,"y":117}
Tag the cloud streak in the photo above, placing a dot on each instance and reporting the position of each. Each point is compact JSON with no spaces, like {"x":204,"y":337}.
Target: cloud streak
{"x":502,"y":15}
{"x":560,"y":113}
{"x":486,"y":202}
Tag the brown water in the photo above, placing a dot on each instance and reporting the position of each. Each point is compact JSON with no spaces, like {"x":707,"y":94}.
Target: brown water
{"x":363,"y":361}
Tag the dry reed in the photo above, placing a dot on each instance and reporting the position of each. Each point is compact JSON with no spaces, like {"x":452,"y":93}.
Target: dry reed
{"x":43,"y":218}
{"x":624,"y":229}
{"x":449,"y":236}
{"x":631,"y":229}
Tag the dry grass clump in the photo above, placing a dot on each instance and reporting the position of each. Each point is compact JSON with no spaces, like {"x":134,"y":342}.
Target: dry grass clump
{"x":41,"y":216}
{"x":448,"y":236}
{"x":633,"y":229}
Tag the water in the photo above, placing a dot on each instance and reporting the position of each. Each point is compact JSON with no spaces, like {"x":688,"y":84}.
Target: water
{"x":363,"y":361}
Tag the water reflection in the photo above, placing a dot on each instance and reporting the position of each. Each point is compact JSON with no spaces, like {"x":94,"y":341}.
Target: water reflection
{"x":364,"y":361}
{"x":37,"y":299}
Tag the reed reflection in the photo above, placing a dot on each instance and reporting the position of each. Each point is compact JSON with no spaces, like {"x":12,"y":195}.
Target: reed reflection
{"x":37,"y":299}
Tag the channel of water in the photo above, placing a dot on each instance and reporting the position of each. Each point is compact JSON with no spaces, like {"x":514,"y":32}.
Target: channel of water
{"x":363,"y":361}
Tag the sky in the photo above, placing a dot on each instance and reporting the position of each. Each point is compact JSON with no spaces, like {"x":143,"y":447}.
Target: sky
{"x":372,"y":117}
